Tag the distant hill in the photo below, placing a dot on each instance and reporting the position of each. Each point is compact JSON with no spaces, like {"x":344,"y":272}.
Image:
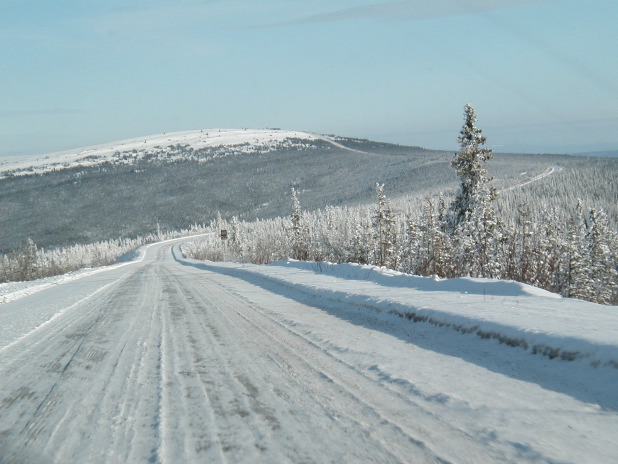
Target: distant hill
{"x":130,"y":187}
{"x":603,"y":154}
{"x":198,"y":145}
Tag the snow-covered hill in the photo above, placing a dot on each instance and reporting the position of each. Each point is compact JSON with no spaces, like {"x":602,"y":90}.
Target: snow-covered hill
{"x":197,"y":144}
{"x":173,"y":180}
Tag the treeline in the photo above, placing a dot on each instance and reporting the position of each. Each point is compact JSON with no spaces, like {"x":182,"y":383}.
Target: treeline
{"x":30,"y":262}
{"x":572,"y":253}
{"x":576,"y":257}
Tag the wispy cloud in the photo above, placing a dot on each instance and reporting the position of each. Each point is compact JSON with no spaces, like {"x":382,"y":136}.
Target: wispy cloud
{"x":411,"y":10}
{"x":39,"y":112}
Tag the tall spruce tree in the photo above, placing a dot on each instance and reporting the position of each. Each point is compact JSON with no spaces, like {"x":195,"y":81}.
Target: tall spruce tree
{"x":469,"y":163}
{"x":603,"y":258}
{"x":472,"y":221}
{"x":300,"y":232}
{"x":575,"y":258}
{"x":385,"y":231}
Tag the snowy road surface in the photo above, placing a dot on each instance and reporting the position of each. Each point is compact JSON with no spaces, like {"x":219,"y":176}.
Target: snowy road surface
{"x":166,"y":361}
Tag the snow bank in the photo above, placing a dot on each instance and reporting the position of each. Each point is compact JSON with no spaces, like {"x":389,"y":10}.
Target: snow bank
{"x":512,"y":313}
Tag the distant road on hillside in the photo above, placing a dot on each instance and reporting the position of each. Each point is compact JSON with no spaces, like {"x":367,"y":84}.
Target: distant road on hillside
{"x":548,"y":172}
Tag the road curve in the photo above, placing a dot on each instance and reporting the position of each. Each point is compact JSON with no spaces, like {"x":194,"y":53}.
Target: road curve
{"x":548,"y":172}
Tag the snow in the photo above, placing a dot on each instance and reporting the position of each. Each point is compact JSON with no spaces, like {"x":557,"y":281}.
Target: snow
{"x":513,"y":313}
{"x":15,"y":324}
{"x":167,"y":359}
{"x":508,"y":311}
{"x":243,"y":140}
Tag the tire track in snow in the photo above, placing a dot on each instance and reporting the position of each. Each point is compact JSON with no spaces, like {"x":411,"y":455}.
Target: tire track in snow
{"x":55,"y":352}
{"x":263,"y":436}
{"x":90,"y":387}
{"x":358,"y":391}
{"x":109,"y":379}
{"x":193,"y":419}
{"x":227,"y":386}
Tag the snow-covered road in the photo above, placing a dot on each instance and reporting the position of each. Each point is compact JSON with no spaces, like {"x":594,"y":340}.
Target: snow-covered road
{"x":165,"y":360}
{"x":548,"y":172}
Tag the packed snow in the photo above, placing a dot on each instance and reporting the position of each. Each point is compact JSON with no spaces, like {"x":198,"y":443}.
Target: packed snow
{"x":168,"y":359}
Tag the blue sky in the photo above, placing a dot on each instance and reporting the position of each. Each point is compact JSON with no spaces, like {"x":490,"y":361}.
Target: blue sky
{"x":541,"y":74}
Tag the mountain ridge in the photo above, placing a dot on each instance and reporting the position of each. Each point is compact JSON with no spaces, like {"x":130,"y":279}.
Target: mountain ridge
{"x":243,"y":140}
{"x":199,"y":145}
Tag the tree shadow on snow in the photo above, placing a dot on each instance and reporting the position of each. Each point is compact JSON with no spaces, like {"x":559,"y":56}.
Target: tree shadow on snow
{"x":539,"y":364}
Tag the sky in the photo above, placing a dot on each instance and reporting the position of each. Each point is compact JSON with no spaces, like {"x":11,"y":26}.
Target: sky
{"x":542,"y":75}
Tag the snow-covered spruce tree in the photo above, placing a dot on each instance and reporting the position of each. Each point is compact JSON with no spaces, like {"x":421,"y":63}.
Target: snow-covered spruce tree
{"x":235,"y":245}
{"x":469,"y":163}
{"x":603,"y":258}
{"x":472,"y":220}
{"x":361,"y":242}
{"x":442,"y":242}
{"x":385,"y":231}
{"x":28,"y":262}
{"x":331,"y":235}
{"x":412,"y":244}
{"x":433,"y":251}
{"x":299,"y":230}
{"x":576,"y":259}
{"x":590,"y":270}
{"x":525,"y":268}
{"x":550,"y":252}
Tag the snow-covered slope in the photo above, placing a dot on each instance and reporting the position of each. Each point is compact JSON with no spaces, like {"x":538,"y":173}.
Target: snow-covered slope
{"x":198,"y":144}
